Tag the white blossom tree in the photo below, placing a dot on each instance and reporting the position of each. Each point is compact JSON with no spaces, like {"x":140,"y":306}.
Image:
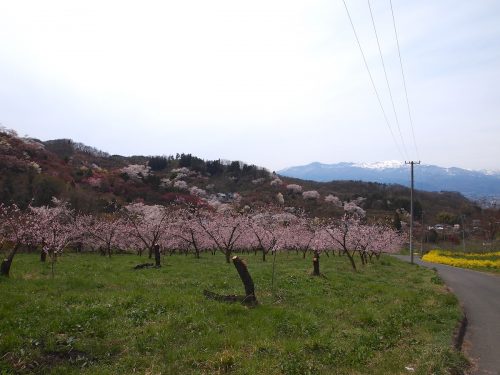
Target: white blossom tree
{"x":136,"y":172}
{"x":148,"y":224}
{"x":310,"y":195}
{"x":294,"y":188}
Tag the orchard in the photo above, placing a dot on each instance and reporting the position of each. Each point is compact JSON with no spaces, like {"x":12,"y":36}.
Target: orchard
{"x":83,"y":296}
{"x":161,"y":230}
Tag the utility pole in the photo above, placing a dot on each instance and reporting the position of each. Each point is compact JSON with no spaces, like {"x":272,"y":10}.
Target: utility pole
{"x":412,"y":163}
{"x":422,"y":239}
{"x":463,"y":232}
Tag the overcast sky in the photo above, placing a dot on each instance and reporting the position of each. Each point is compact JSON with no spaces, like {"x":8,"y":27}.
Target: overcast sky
{"x":275,"y":83}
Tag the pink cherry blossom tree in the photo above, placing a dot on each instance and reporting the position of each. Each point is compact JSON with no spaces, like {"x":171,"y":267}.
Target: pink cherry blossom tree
{"x":264,"y":233}
{"x":342,"y":236}
{"x":54,"y":228}
{"x":373,"y":240}
{"x":16,"y":228}
{"x":300,"y":236}
{"x":186,"y":234}
{"x":385,"y":239}
{"x":224,"y":229}
{"x":149,"y":225}
{"x":104,"y":231}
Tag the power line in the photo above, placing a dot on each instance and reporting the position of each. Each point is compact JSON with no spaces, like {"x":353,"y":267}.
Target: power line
{"x":404,"y":81}
{"x":387,"y":80}
{"x":371,"y":79}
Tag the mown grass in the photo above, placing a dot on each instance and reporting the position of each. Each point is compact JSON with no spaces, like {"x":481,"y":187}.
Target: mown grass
{"x":98,"y":316}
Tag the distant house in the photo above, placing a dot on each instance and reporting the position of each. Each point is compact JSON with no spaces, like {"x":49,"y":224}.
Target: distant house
{"x":476,"y":223}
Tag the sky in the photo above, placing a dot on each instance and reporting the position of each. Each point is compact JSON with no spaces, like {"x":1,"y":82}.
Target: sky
{"x":274,"y":83}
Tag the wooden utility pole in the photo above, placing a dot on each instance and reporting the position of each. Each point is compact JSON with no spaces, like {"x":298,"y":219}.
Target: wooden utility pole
{"x":412,"y":163}
{"x":422,"y":239}
{"x":463,"y":232}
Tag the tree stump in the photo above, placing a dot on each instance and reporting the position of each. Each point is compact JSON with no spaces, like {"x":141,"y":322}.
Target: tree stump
{"x":5,"y":267}
{"x":249,"y":297}
{"x":156,"y":249}
{"x":316,"y":264}
{"x":7,"y":262}
{"x":245,"y":277}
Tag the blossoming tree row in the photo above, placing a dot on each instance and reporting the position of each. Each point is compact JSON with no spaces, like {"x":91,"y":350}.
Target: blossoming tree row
{"x":139,"y":227}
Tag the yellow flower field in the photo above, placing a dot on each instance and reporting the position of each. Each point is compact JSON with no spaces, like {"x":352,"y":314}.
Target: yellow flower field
{"x":464,"y":260}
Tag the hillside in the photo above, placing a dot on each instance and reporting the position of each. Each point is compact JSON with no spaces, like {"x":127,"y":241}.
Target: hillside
{"x":92,"y":180}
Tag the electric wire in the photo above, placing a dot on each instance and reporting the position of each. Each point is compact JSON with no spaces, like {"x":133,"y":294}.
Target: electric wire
{"x":404,"y":82}
{"x":387,"y":80}
{"x":371,"y":79}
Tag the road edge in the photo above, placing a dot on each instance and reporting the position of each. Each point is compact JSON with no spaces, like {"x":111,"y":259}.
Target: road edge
{"x":460,"y":331}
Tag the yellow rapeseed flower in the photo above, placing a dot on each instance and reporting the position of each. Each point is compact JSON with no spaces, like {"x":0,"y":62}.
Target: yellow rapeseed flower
{"x":463,"y":260}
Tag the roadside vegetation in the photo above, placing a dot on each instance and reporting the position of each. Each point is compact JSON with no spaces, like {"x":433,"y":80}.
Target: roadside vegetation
{"x":480,"y":261}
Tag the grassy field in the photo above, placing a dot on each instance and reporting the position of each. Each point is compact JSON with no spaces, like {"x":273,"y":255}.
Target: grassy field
{"x":98,"y":316}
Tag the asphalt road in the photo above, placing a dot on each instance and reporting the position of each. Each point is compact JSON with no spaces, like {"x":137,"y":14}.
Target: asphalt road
{"x":479,"y":294}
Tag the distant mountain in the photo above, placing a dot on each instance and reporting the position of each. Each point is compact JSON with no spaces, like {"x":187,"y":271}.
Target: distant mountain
{"x":473,"y":184}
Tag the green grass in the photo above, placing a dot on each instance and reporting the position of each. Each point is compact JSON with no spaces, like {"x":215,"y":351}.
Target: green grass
{"x":98,"y":316}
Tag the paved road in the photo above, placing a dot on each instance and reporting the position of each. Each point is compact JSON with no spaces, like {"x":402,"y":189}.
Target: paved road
{"x":479,"y":294}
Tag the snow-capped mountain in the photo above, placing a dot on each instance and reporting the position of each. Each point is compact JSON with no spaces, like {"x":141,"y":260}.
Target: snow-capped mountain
{"x":473,"y":184}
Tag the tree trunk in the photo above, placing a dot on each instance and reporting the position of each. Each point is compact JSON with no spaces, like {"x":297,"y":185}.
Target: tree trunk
{"x":361,"y":255}
{"x":157,"y":256}
{"x":228,"y":256}
{"x":7,"y":262}
{"x":316,"y":264}
{"x":242,"y":269}
{"x":351,"y":259}
{"x":52,"y":261}
{"x":43,"y":256}
{"x":196,"y":251}
{"x":263,"y":255}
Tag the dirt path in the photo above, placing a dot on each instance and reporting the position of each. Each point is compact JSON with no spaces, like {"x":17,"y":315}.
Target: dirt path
{"x":479,"y":294}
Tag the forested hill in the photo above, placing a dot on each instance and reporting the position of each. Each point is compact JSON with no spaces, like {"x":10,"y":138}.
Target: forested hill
{"x":33,"y":171}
